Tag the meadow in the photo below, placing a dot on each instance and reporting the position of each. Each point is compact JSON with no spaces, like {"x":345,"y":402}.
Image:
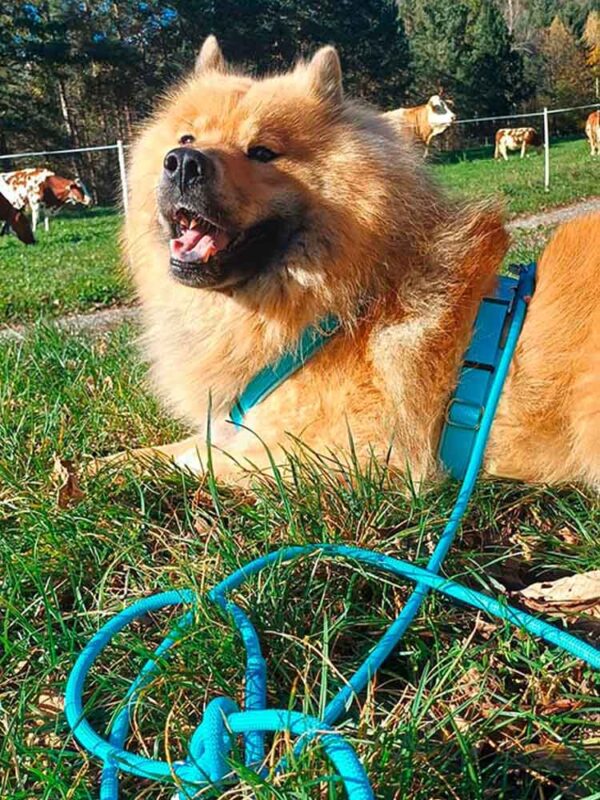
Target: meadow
{"x":74,"y":267}
{"x":467,"y":709}
{"x":519,"y":182}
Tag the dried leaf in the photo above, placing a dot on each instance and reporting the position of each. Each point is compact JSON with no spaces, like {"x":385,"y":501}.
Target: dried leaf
{"x":561,"y":705}
{"x":484,"y":628}
{"x":526,"y":544}
{"x":561,"y":760}
{"x":568,"y":536}
{"x":577,"y":593}
{"x":470,"y":698}
{"x":50,"y":703}
{"x":40,"y":738}
{"x":63,"y":473}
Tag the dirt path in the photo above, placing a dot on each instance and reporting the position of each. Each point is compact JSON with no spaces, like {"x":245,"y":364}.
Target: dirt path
{"x":101,"y":321}
{"x":556,"y":215}
{"x":96,"y":322}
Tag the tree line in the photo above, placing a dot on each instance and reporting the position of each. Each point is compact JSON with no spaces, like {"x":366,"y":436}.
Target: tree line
{"x":76,"y":73}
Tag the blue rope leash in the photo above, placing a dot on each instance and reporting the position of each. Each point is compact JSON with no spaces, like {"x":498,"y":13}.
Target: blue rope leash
{"x":211,"y":744}
{"x":209,"y":753}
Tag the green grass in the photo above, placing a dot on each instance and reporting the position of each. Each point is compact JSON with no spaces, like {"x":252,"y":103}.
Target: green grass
{"x":527,"y":244}
{"x":520,"y":183}
{"x":73,"y":267}
{"x":467,"y":709}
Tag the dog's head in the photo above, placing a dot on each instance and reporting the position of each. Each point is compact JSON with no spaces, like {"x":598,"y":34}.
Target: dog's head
{"x":252,"y":178}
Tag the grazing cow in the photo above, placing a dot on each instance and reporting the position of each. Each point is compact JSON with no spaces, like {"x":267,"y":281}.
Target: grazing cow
{"x":515,"y":139}
{"x":15,"y":220}
{"x":44,"y":192}
{"x":424,"y":122}
{"x":592,"y":131}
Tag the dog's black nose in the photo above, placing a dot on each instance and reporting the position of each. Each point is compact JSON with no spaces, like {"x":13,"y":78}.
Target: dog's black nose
{"x":186,"y":166}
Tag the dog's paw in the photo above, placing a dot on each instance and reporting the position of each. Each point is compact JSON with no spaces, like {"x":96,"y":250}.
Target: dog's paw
{"x":96,"y":465}
{"x":190,"y":461}
{"x":146,"y":461}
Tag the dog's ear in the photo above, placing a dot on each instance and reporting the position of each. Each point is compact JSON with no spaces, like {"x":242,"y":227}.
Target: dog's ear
{"x":325,"y":73}
{"x":210,"y":58}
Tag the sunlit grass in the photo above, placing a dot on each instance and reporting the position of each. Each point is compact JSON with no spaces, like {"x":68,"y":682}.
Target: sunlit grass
{"x":519,"y":183}
{"x":466,"y":708}
{"x":74,"y":267}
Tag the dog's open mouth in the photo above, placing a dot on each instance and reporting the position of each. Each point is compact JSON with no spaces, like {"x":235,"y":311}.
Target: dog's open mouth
{"x":198,"y":239}
{"x":204,"y":254}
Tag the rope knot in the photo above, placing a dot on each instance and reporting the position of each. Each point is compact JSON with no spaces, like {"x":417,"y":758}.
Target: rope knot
{"x":212,"y":741}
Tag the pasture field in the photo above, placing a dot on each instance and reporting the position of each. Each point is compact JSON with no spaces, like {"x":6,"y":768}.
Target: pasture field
{"x":520,"y":183}
{"x":76,"y":266}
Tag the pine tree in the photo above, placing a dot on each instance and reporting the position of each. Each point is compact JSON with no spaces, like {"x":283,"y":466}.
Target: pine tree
{"x":438,"y":35}
{"x":465,"y":46}
{"x":269,"y":35}
{"x":495,"y":77}
{"x":372,"y":42}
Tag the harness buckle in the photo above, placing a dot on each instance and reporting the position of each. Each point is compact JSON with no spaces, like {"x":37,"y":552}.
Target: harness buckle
{"x":463,"y":414}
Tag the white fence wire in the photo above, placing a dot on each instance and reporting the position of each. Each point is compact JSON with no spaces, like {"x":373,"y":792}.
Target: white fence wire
{"x":545,"y":113}
{"x":528,"y":114}
{"x":61,"y":152}
{"x":118,"y":146}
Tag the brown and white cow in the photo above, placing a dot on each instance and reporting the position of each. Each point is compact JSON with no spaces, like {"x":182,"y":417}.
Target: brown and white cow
{"x":12,"y":218}
{"x":515,"y":139}
{"x":592,"y":131}
{"x":44,"y":192}
{"x":423,"y":122}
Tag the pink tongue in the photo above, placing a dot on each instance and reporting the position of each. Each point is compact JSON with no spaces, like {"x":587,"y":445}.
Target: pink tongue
{"x":193,"y":245}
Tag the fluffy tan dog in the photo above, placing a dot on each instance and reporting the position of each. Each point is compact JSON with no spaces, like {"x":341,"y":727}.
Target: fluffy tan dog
{"x":260,"y":206}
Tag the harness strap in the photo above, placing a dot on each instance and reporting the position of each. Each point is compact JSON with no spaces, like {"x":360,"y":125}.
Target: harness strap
{"x":495,"y":318}
{"x":272,"y":376}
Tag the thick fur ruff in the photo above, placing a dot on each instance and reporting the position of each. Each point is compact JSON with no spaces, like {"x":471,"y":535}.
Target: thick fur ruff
{"x":548,"y":424}
{"x":379,"y":245}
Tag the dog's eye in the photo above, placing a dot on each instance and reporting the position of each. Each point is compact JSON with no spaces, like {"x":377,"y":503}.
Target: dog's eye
{"x":187,"y":138}
{"x":260,"y":153}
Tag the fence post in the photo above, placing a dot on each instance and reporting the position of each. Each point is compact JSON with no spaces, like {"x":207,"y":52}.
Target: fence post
{"x":546,"y":151}
{"x":123,"y":173}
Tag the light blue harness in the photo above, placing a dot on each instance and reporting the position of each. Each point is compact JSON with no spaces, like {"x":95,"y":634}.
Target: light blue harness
{"x":465,"y":409}
{"x":271,"y":377}
{"x":496,"y":317}
{"x":209,"y":757}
